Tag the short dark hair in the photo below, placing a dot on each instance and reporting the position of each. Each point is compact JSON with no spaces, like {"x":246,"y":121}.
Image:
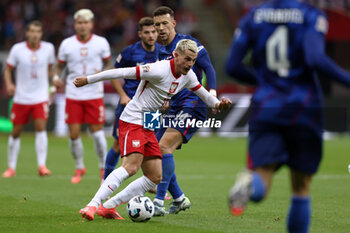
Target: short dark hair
{"x":163,"y":10}
{"x":35,"y":23}
{"x":145,"y":21}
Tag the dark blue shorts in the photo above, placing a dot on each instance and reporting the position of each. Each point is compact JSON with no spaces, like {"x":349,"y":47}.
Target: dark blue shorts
{"x":184,"y":114}
{"x":298,"y":147}
{"x":117,"y":114}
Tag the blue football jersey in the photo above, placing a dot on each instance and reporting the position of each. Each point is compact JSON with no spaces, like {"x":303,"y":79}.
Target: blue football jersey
{"x":288,"y":90}
{"x":135,"y":55}
{"x":186,"y":98}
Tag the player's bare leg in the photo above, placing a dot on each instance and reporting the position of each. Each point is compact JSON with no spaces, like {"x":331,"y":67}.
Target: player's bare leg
{"x":151,"y":167}
{"x":14,"y":143}
{"x":130,"y":165}
{"x":152,"y":170}
{"x":41,"y":142}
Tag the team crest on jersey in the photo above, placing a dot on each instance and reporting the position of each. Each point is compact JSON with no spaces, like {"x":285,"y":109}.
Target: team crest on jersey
{"x":173,"y":87}
{"x":135,"y":143}
{"x":83,"y":52}
{"x":34,"y":58}
{"x":145,"y":69}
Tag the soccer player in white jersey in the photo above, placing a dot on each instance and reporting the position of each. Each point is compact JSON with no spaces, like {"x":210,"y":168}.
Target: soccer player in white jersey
{"x":83,"y":54}
{"x":139,"y":146}
{"x":32,"y":61}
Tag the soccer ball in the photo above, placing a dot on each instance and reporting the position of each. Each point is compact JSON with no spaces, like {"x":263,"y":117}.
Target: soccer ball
{"x":140,"y":209}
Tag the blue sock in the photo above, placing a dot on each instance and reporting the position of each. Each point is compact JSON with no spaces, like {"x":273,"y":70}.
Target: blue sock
{"x":111,"y":162}
{"x":168,"y":165}
{"x":174,"y":188}
{"x":299,"y":215}
{"x":258,"y":187}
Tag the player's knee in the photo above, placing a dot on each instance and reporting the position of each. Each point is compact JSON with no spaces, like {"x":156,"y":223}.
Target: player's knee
{"x":165,"y":149}
{"x":301,"y":183}
{"x":131,"y":169}
{"x":155,"y":178}
{"x":74,"y":136}
{"x":16,"y":135}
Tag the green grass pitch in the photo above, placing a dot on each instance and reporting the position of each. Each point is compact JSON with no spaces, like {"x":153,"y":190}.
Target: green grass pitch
{"x":205,"y":168}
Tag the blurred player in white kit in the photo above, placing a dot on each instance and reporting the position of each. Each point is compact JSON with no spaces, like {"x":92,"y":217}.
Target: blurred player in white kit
{"x":83,"y":54}
{"x":32,"y":61}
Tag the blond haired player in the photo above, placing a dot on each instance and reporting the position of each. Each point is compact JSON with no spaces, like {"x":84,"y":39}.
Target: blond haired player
{"x":139,"y":146}
{"x":83,"y":54}
{"x":32,"y":61}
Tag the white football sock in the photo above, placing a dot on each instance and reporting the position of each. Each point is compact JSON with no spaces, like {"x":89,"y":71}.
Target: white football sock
{"x":180,"y":198}
{"x":111,"y":183}
{"x":160,"y":202}
{"x":13,"y":147}
{"x":100,"y":147}
{"x":41,"y":147}
{"x":137,"y":187}
{"x":77,"y":149}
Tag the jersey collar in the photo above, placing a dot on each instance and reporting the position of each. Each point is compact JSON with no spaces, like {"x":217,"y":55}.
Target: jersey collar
{"x":83,"y":41}
{"x":172,"y":66}
{"x":30,"y":48}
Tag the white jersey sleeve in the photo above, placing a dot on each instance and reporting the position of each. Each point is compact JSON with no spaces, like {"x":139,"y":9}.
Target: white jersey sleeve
{"x":105,"y":49}
{"x":127,"y":73}
{"x":61,"y":56}
{"x":52,"y":58}
{"x":150,"y":72}
{"x":12,"y":59}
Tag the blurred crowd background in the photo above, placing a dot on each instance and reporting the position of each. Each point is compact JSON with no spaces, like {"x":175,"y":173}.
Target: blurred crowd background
{"x":116,"y":20}
{"x":212,"y":22}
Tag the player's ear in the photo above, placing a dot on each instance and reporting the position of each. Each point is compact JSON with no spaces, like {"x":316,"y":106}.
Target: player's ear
{"x":174,"y":23}
{"x":139,"y":34}
{"x":175,"y":54}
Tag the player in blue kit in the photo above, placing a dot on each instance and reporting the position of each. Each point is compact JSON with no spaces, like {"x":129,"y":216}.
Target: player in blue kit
{"x":144,"y":51}
{"x":287,"y":38}
{"x":184,"y":105}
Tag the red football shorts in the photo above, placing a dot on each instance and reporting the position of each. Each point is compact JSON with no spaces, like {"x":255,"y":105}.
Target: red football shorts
{"x":20,"y":113}
{"x":85,"y":111}
{"x":134,"y":138}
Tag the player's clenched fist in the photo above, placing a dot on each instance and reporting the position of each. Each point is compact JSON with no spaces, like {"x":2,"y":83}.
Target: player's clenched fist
{"x":224,"y":104}
{"x":80,"y":81}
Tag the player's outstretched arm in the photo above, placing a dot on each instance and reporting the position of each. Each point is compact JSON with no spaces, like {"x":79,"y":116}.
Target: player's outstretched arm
{"x":126,"y":73}
{"x":210,"y":100}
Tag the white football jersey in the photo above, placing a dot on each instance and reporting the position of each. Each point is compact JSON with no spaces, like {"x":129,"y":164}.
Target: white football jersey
{"x":83,"y":58}
{"x":158,"y":83}
{"x":31,"y":71}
